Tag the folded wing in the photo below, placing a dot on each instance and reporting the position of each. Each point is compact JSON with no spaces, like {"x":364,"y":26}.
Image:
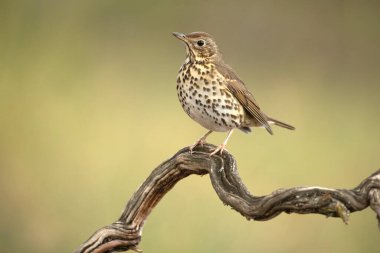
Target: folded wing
{"x":244,"y":96}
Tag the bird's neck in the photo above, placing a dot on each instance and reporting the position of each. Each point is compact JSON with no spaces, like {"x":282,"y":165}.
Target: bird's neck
{"x":200,"y":60}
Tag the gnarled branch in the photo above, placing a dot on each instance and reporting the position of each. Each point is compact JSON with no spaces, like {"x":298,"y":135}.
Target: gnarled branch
{"x":125,"y":233}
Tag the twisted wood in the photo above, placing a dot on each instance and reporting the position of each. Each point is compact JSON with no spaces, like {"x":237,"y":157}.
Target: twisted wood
{"x":125,"y":233}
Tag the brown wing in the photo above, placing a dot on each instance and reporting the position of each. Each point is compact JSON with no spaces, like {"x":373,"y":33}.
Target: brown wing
{"x":245,"y":97}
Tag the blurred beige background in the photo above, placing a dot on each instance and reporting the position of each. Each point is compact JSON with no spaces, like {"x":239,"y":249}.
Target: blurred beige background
{"x":88,"y":108}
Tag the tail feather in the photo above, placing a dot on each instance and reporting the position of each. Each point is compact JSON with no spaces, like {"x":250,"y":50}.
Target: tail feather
{"x":281,"y":124}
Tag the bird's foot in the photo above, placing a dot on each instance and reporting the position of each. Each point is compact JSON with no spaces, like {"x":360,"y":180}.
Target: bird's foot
{"x":201,"y":141}
{"x":220,"y":149}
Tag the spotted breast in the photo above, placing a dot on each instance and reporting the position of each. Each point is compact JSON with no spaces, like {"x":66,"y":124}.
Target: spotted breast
{"x":205,"y":98}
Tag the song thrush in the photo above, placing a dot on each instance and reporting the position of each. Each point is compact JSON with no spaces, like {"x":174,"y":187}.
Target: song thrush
{"x":213,"y":95}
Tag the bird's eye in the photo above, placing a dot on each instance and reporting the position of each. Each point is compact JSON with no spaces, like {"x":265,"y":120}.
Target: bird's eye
{"x":201,"y":43}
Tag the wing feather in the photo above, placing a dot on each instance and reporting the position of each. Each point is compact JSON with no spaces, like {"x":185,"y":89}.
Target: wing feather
{"x":244,"y":96}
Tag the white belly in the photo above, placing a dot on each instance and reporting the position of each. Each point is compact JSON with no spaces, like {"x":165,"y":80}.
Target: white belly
{"x":210,"y":103}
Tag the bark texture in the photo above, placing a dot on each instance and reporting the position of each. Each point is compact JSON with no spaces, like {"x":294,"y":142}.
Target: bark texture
{"x":125,"y":233}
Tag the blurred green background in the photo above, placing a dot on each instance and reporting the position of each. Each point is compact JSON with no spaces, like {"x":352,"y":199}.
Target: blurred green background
{"x":88,"y":108}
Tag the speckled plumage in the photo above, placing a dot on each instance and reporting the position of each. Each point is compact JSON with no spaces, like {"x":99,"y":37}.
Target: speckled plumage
{"x":212,"y":94}
{"x":205,"y":98}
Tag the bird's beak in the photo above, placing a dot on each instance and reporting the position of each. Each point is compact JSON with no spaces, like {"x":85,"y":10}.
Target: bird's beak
{"x":180,"y":36}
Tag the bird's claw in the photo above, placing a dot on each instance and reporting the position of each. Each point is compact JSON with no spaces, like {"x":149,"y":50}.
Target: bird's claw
{"x":198,"y":142}
{"x":220,"y":149}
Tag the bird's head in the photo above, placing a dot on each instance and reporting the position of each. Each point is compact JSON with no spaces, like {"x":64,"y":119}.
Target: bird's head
{"x":200,"y":46}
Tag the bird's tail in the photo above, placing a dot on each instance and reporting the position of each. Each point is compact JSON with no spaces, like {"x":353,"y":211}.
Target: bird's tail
{"x":281,"y":124}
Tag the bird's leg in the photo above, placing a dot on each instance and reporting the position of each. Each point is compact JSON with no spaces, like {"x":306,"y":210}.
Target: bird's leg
{"x":200,"y":141}
{"x":224,"y":144}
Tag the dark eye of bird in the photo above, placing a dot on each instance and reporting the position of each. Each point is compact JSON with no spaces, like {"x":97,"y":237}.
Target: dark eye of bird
{"x":200,"y":42}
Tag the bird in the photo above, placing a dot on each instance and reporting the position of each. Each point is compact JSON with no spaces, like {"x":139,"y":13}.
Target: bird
{"x":213,"y":95}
